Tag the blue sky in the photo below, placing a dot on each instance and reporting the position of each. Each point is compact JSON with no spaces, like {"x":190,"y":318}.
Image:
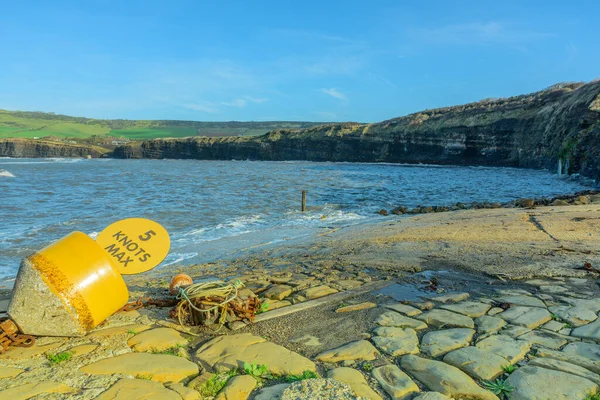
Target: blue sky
{"x":309,"y":60}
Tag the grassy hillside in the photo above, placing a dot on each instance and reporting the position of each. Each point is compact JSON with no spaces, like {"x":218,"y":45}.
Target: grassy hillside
{"x":24,"y":124}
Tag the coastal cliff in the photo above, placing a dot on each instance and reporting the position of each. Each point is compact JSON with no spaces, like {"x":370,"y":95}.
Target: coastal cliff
{"x":42,"y":148}
{"x":556,"y":126}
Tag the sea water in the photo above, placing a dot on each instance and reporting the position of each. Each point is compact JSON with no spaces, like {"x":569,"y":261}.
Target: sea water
{"x":220,"y":209}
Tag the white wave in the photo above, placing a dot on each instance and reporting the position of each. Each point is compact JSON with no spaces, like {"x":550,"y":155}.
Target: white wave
{"x":175,"y":258}
{"x":6,"y":174}
{"x":94,"y":235}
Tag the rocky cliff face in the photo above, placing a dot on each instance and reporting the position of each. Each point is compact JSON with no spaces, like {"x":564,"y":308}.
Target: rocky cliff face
{"x":538,"y":130}
{"x":40,"y":148}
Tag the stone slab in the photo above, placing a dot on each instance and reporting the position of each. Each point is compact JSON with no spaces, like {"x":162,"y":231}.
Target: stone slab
{"x":477,"y":363}
{"x":394,"y":382}
{"x":128,"y":389}
{"x":529,"y":317}
{"x":504,"y":346}
{"x":405,"y":309}
{"x":405,"y":342}
{"x":393,"y":319}
{"x":471,"y":309}
{"x":443,"y":378}
{"x":533,"y":383}
{"x":224,"y":353}
{"x":158,"y":339}
{"x":356,"y":380}
{"x":156,"y":367}
{"x":357,"y":350}
{"x":444,"y":318}
{"x":438,"y":343}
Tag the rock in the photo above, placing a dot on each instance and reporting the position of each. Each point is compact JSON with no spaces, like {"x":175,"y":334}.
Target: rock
{"x":525,"y":203}
{"x":403,"y":309}
{"x":522,"y":300}
{"x":258,"y":286}
{"x":451,"y":298}
{"x":553,"y":326}
{"x":272,"y":392}
{"x":471,"y":309}
{"x":554,"y":289}
{"x":395,"y":382}
{"x":236,"y":325}
{"x":158,"y":339}
{"x":589,"y":331}
{"x":443,"y":318}
{"x":478,"y":363}
{"x":317,"y":292}
{"x":224,"y":353}
{"x":157,"y":367}
{"x":278,"y":292}
{"x":422,"y":305}
{"x":391,"y":318}
{"x":275,"y":304}
{"x":514,"y":331}
{"x":438,"y":343}
{"x":559,"y":202}
{"x":432,"y":396}
{"x":237,"y":388}
{"x":9,"y":372}
{"x":383,"y":212}
{"x":33,"y":389}
{"x":576,"y":316}
{"x":495,"y":310}
{"x":564,"y":366}
{"x":582,"y":199}
{"x":587,"y":350}
{"x":186,"y":393}
{"x":404,"y":341}
{"x":400,"y":210}
{"x":24,"y":353}
{"x":322,"y":389}
{"x":356,"y":307}
{"x":529,"y":317}
{"x":446,"y":379}
{"x":357,"y":350}
{"x":584,"y":362}
{"x":547,"y":339}
{"x":356,"y":380}
{"x":347,"y":284}
{"x":592,"y":304}
{"x":128,"y":389}
{"x":532,"y":383}
{"x":120,"y":330}
{"x":504,"y":346}
{"x":487,"y":324}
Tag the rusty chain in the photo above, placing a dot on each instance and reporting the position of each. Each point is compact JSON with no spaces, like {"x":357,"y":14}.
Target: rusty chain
{"x":10,"y":336}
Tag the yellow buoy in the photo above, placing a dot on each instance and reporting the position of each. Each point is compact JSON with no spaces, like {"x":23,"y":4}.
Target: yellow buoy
{"x":66,"y":289}
{"x":74,"y":284}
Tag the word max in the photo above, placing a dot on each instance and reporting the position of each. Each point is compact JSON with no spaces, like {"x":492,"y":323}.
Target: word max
{"x":128,"y":248}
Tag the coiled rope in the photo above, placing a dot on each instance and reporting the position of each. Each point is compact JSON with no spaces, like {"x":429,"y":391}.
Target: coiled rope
{"x":204,"y":290}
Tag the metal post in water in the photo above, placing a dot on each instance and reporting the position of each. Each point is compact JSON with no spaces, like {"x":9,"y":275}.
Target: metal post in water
{"x":303,"y":200}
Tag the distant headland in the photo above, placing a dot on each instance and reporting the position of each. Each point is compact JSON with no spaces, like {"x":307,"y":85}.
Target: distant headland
{"x":557,"y":128}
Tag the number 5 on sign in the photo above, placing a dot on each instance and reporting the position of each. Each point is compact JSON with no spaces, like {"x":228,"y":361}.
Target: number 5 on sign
{"x":135,"y":244}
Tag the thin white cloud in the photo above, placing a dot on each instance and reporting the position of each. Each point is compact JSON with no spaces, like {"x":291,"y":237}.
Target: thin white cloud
{"x":479,"y":33}
{"x":236,"y":103}
{"x":333,"y":92}
{"x":204,"y":107}
{"x":243,"y":101}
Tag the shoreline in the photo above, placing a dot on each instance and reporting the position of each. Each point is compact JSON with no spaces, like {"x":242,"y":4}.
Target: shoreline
{"x":460,"y":264}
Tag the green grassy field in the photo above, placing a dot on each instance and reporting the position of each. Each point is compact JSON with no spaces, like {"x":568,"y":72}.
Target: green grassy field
{"x":23,"y":124}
